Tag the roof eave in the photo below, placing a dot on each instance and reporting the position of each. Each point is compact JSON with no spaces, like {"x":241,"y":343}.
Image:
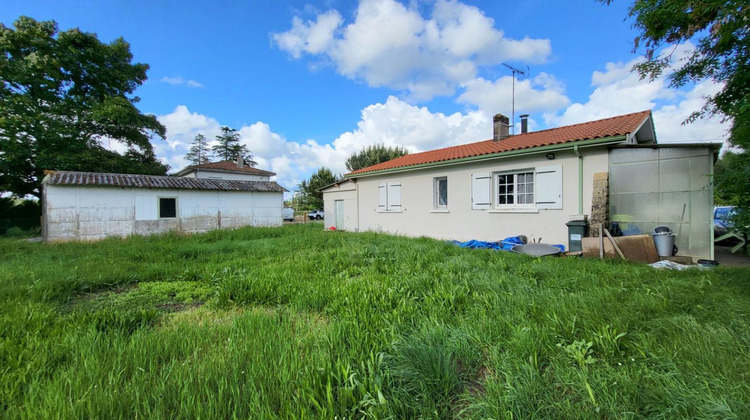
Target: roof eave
{"x":500,"y":155}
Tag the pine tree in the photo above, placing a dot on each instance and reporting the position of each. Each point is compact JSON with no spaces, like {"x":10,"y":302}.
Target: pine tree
{"x":199,"y":152}
{"x":228,"y":146}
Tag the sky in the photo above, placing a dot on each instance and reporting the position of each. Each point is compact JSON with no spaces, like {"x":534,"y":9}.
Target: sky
{"x":308,"y":83}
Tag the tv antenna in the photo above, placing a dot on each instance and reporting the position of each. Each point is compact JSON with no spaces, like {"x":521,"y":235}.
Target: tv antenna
{"x":513,"y":112}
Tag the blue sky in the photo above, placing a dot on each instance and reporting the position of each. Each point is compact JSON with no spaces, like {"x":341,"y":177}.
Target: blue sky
{"x":307,"y":83}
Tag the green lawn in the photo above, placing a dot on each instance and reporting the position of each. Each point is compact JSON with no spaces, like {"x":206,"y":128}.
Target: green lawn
{"x":295,"y":322}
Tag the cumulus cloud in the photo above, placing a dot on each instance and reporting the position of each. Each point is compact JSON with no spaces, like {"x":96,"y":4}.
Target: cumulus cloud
{"x":392,"y":45}
{"x":542,"y":93}
{"x":393,"y":123}
{"x":618,"y":90}
{"x":178,"y":80}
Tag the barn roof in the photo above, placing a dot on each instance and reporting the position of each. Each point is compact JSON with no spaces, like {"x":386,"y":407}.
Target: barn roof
{"x":160,"y":182}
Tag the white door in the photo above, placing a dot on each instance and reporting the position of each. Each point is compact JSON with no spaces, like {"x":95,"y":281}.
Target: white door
{"x":339,"y":213}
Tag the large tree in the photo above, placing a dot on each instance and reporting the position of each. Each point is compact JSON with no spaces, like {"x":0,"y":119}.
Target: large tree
{"x":199,"y":151}
{"x":228,"y":147}
{"x":721,"y":53}
{"x":372,"y":155}
{"x":63,"y":96}
{"x":312,"y":197}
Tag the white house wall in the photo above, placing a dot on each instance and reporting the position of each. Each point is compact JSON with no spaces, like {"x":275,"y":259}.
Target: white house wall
{"x":90,"y":213}
{"x":347,"y":192}
{"x":460,"y":222}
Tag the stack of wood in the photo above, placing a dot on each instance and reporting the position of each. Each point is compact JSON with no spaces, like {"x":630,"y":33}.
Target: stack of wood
{"x":638,"y":248}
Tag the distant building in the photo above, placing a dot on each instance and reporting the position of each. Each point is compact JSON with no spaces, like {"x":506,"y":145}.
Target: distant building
{"x":91,"y":206}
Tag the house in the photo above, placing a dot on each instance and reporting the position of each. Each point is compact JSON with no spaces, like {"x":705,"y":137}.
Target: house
{"x":534,"y":183}
{"x":226,"y":169}
{"x":90,"y":206}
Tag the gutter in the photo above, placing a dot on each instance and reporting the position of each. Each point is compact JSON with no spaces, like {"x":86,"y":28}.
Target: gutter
{"x":501,"y":155}
{"x":580,"y":178}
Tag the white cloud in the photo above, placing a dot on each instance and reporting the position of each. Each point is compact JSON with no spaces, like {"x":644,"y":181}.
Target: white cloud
{"x":542,"y":93}
{"x":392,"y":45}
{"x":619,"y":90}
{"x":178,"y":80}
{"x":393,"y":123}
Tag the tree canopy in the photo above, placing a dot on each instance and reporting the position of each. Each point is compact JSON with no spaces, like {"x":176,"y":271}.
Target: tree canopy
{"x":199,"y":151}
{"x":63,"y":96}
{"x":719,"y":29}
{"x":311,"y":197}
{"x":228,"y":147}
{"x":372,"y":155}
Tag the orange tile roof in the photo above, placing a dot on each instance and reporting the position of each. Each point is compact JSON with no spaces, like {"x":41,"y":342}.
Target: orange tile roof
{"x":226,"y":166}
{"x":608,"y":127}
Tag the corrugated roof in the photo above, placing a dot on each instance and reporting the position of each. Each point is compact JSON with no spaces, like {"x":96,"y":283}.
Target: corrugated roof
{"x":160,"y":182}
{"x":225,"y":166}
{"x":608,"y":127}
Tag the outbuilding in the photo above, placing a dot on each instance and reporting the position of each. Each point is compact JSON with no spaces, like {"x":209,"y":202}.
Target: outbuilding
{"x":90,"y":206}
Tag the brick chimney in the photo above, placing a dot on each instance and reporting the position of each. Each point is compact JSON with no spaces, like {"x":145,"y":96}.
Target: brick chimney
{"x":501,"y":127}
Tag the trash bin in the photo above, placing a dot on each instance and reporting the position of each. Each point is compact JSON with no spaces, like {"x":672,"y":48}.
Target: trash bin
{"x":664,"y":241}
{"x":577,"y":230}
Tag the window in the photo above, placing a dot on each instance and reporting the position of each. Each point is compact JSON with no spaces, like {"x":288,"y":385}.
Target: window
{"x":167,"y":208}
{"x":514,"y":189}
{"x":440,"y":192}
{"x":390,"y":197}
{"x":523,"y":189}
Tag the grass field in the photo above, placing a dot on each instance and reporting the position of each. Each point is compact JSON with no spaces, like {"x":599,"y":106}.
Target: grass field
{"x":295,"y":322}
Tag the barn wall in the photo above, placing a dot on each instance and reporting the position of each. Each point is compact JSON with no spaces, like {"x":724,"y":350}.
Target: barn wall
{"x":91,"y":213}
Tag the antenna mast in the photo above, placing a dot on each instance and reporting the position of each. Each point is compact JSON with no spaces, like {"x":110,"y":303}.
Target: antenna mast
{"x":513,"y":114}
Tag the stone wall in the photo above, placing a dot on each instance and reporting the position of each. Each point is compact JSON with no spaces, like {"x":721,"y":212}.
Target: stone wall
{"x":599,"y":203}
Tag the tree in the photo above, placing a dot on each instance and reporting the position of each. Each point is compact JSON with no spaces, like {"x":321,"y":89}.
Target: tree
{"x":312,"y":198}
{"x":230,"y":148}
{"x":62,"y":95}
{"x":199,"y":152}
{"x":722,"y":53}
{"x":731,"y":175}
{"x":372,"y":155}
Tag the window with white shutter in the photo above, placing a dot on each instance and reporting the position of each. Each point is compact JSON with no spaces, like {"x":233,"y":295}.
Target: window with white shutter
{"x":480,"y":191}
{"x":390,"y":197}
{"x":549,"y":187}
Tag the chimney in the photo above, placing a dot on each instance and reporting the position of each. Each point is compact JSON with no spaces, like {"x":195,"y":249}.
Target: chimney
{"x":524,"y":123}
{"x":501,"y":126}
{"x":240,"y":161}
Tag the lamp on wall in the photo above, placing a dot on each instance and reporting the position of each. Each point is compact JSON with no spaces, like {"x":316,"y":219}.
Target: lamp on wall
{"x":550,"y":155}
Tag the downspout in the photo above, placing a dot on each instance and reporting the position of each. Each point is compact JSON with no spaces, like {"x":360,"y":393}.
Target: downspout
{"x":580,"y":178}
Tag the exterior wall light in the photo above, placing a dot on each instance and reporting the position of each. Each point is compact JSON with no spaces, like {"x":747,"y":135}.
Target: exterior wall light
{"x":550,"y":155}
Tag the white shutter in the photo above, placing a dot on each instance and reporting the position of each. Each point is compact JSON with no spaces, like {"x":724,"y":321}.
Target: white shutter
{"x":383,"y":197}
{"x":549,"y":187}
{"x":480,"y":191}
{"x":394,"y":196}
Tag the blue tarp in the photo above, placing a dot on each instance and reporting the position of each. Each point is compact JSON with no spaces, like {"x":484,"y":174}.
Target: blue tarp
{"x":506,"y":244}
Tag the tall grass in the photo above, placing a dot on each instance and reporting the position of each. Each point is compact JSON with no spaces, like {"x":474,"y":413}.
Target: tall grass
{"x":295,"y":322}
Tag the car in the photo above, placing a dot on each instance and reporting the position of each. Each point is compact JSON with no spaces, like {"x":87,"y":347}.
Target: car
{"x":287,"y":214}
{"x":722,"y":222}
{"x":316,"y":215}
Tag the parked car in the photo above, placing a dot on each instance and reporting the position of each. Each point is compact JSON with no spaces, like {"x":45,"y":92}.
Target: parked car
{"x":315,"y":215}
{"x":287,"y":214}
{"x":722,"y":224}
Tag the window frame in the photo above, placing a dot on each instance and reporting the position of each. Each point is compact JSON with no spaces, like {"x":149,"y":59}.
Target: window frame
{"x":515,"y":205}
{"x":159,"y":207}
{"x":436,"y":193}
